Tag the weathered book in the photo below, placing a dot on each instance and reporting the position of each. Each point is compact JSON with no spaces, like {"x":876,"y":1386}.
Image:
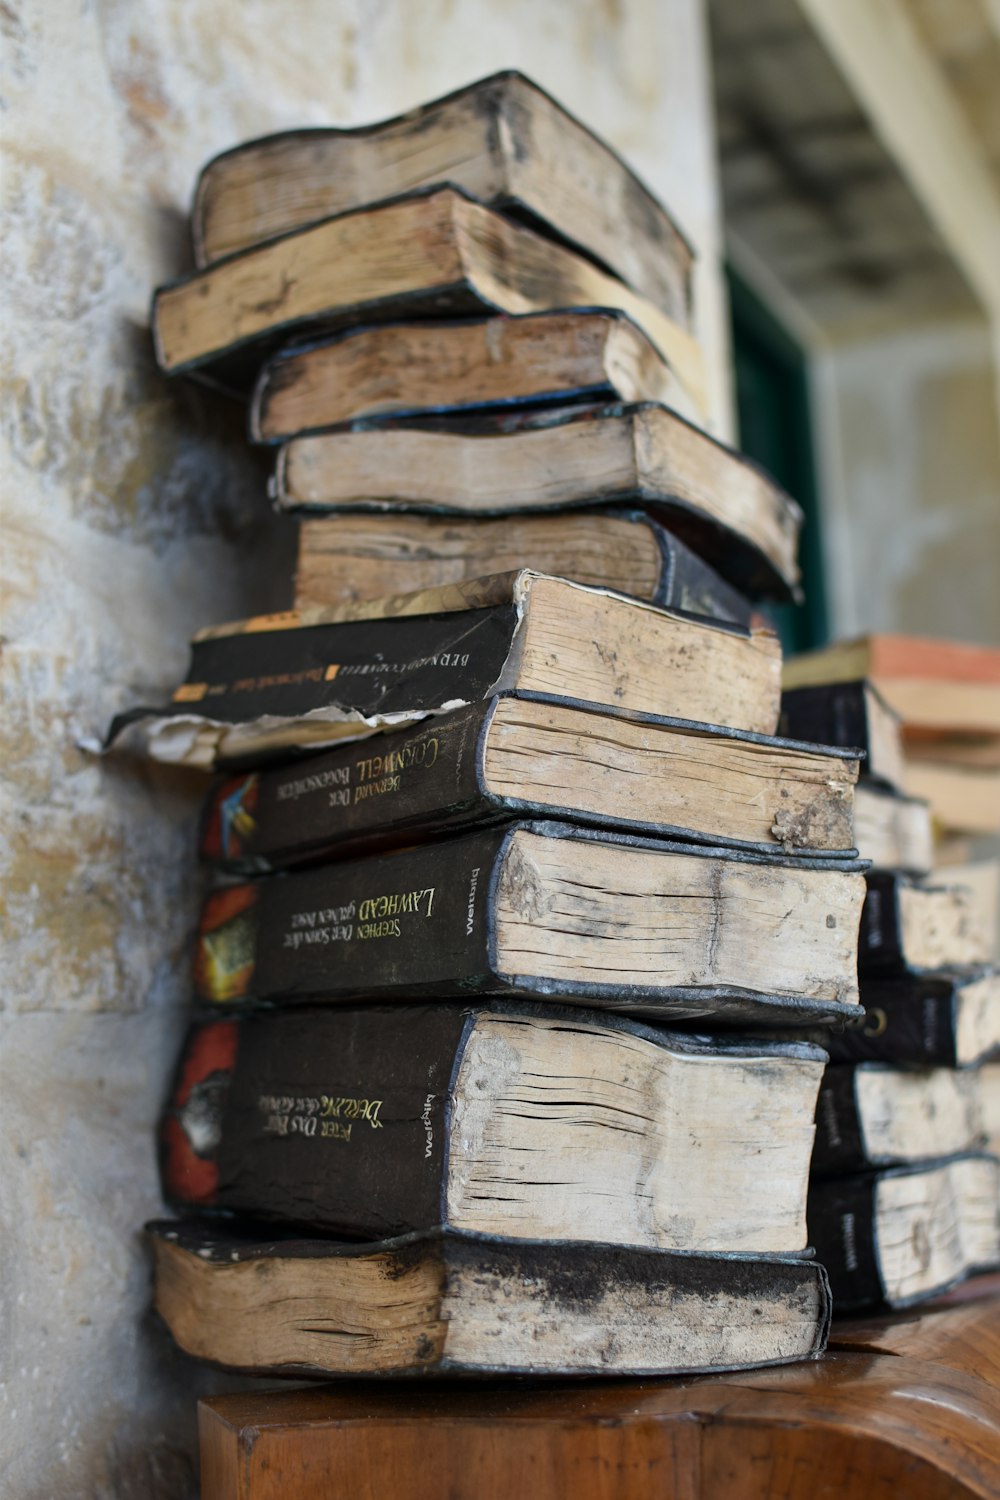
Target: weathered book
{"x":964,"y":798}
{"x":978,"y":751}
{"x":428,"y":254}
{"x":877,"y":1115}
{"x":503,"y":139}
{"x":851,"y":714}
{"x":294,"y":681}
{"x":731,"y":512}
{"x":547,"y":909}
{"x":931,"y":684}
{"x":988,"y":1084}
{"x":448,"y":1304}
{"x":904,"y":1234}
{"x":447,"y":365}
{"x":927,"y":1020}
{"x":517,"y":756}
{"x":349,"y":558}
{"x":893,"y":831}
{"x":956,"y":863}
{"x":911,"y":926}
{"x":512,"y":1121}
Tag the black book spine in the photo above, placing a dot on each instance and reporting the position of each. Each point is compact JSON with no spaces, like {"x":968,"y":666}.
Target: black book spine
{"x":880,"y":945}
{"x":904,"y":1024}
{"x":839,"y":1145}
{"x":335,"y":1119}
{"x":842,"y":1229}
{"x":399,"y":664}
{"x":416,"y":921}
{"x":689,"y":585}
{"x":831,"y":714}
{"x":360,"y":795}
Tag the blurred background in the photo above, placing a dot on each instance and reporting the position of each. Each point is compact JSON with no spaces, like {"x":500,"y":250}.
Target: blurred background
{"x":837,"y":167}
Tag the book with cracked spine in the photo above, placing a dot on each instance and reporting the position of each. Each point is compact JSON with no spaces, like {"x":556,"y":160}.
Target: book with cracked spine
{"x":527,"y":755}
{"x":279,"y":683}
{"x":508,"y":1120}
{"x":639,"y":925}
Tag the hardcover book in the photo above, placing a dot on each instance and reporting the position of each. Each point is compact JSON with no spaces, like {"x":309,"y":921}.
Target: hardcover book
{"x":850,"y":714}
{"x":448,"y":1304}
{"x":927,"y":1020}
{"x":444,"y":365}
{"x":964,"y":798}
{"x":905,"y":1234}
{"x":349,"y":558}
{"x":909,"y":926}
{"x":548,"y":909}
{"x":513,"y":1122}
{"x":988,"y":1081}
{"x":292,"y":682}
{"x":722,"y":505}
{"x":930,"y":684}
{"x":893,"y":831}
{"x":520,"y":755}
{"x":878,"y":1115}
{"x":503,"y":139}
{"x":427,"y":254}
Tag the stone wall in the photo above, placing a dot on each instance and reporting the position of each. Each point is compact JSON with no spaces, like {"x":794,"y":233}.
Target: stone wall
{"x":132,"y":514}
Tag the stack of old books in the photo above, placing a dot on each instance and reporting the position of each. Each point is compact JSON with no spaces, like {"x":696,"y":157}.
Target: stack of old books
{"x":506,"y":783}
{"x":905,"y":1196}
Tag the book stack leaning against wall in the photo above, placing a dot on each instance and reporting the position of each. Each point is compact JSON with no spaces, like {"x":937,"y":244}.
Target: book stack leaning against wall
{"x":905,"y":1195}
{"x":503,"y":797}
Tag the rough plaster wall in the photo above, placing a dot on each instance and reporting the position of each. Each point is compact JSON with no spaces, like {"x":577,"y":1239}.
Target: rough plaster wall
{"x":133,"y":513}
{"x":910,"y":458}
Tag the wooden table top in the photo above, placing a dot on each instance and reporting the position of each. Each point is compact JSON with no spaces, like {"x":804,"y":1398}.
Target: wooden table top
{"x":906,"y":1407}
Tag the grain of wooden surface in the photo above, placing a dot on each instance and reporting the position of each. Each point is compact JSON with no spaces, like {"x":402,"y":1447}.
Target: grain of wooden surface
{"x":901,"y":1409}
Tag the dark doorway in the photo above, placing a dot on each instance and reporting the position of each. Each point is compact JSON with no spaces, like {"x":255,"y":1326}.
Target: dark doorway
{"x":772,"y":403}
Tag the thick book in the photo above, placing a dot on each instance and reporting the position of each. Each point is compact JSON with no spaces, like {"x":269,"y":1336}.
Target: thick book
{"x":893,"y":831}
{"x":902,"y":1235}
{"x":851,"y":714}
{"x":912,"y":926}
{"x":878,"y":1115}
{"x":427,"y":254}
{"x":932,"y":684}
{"x":512,"y":1121}
{"x":448,"y":365}
{"x":522,"y":755}
{"x":964,"y":798}
{"x":294,"y":681}
{"x":724,"y":506}
{"x":988,"y":1082}
{"x":638,"y":925}
{"x":502,"y":138}
{"x":349,"y":558}
{"x":450,"y":1304}
{"x":923,"y":1021}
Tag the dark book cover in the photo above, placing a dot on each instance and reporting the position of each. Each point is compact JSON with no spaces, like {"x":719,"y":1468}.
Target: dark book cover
{"x":831,"y":714}
{"x":908,"y":1019}
{"x":420,"y":783}
{"x":842,"y":1231}
{"x":842,"y":1215}
{"x":839,"y":1145}
{"x":332,"y":1120}
{"x":880,"y":939}
{"x":342,"y":1119}
{"x":421,"y":922}
{"x":358,"y":673}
